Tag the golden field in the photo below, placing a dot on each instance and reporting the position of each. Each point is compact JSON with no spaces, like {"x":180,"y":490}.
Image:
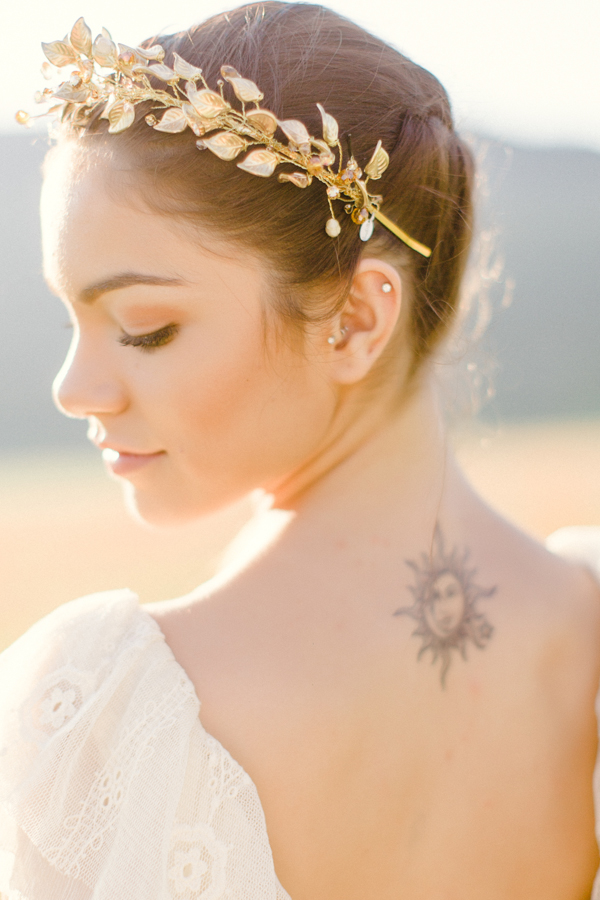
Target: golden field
{"x":64,"y":531}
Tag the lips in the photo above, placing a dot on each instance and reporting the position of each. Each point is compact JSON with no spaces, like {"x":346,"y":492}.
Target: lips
{"x":124,"y":463}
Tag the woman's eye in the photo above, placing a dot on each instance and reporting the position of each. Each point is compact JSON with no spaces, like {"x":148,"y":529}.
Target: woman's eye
{"x":150,"y":341}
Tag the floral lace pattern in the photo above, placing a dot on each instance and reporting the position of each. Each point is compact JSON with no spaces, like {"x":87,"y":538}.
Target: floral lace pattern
{"x":56,"y":701}
{"x":109,"y":785}
{"x":84,"y":833}
{"x":197,"y":861}
{"x":58,"y":707}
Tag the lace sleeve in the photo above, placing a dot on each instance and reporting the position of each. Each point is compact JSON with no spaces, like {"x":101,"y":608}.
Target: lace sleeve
{"x":86,"y":716}
{"x":110,"y":788}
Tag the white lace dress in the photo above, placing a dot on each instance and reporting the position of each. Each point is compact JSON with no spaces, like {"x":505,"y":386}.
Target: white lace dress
{"x":110,"y":788}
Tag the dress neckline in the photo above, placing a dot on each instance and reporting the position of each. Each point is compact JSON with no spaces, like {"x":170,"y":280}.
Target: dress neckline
{"x":149,"y":618}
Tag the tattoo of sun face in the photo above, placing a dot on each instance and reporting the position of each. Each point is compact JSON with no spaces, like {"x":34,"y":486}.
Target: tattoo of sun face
{"x":445,"y":604}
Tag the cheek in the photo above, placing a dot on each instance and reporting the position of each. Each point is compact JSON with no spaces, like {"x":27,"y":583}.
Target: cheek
{"x":237,"y":416}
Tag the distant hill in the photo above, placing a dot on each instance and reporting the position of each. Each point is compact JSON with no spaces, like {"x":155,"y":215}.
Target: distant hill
{"x":546,"y":344}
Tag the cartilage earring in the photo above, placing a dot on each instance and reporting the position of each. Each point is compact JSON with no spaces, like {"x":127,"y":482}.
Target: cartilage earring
{"x":332,"y":338}
{"x":386,"y":287}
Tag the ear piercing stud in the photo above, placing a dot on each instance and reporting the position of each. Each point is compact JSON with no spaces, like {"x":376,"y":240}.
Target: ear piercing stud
{"x":386,"y":287}
{"x":333,"y":340}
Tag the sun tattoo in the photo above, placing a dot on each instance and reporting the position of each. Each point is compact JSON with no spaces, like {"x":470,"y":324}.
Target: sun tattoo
{"x":445,"y":604}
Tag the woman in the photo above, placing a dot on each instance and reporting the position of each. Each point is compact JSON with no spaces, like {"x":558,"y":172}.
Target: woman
{"x":396,"y":686}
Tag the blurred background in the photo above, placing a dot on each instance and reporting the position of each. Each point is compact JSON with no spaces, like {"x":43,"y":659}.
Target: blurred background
{"x":524,"y":77}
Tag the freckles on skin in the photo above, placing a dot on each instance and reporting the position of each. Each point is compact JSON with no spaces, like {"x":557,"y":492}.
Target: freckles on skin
{"x":229,"y":414}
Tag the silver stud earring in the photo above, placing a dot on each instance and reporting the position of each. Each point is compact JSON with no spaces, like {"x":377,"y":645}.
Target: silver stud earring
{"x":386,"y":287}
{"x":332,"y":338}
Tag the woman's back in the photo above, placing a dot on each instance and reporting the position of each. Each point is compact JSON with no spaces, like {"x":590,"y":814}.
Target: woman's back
{"x":478,"y":787}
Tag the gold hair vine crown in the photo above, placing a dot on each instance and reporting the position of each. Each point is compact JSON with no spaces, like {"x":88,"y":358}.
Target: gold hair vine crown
{"x":188,"y":102}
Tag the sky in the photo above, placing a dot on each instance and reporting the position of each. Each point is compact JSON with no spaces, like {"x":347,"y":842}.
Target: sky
{"x":524,"y":71}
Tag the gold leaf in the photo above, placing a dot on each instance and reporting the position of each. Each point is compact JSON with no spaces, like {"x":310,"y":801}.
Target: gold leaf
{"x":225,"y":145}
{"x":121,"y":116}
{"x":59,"y":53}
{"x":300,"y":179}
{"x":295,"y":131}
{"x":81,"y":37}
{"x":330,"y":127}
{"x":229,"y":72}
{"x":153,"y":52}
{"x":207,"y":103}
{"x":263,"y":119}
{"x":71,"y":93}
{"x":193,"y":119}
{"x":185,"y":69}
{"x":378,"y":163}
{"x":105,"y":51}
{"x":86,"y":68}
{"x":47,"y":71}
{"x":210,"y":124}
{"x":320,"y":145}
{"x":260,"y":162}
{"x":128,"y":56}
{"x":172,"y":122}
{"x":141,"y":70}
{"x":244,"y":89}
{"x":162,"y":72}
{"x":108,"y":106}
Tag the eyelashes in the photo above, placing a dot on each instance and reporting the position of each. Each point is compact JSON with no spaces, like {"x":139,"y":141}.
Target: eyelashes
{"x":150,"y":341}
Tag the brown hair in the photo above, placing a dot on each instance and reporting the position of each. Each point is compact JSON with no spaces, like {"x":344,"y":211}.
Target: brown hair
{"x":300,"y":54}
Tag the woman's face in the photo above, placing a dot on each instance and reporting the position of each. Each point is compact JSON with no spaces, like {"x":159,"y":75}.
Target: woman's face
{"x":446,"y":606}
{"x":168,"y":360}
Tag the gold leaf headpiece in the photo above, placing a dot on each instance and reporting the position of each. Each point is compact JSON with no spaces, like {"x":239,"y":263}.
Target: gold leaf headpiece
{"x":188,"y":102}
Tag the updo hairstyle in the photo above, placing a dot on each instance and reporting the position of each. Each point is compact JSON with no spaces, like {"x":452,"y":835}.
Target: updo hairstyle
{"x":300,"y":55}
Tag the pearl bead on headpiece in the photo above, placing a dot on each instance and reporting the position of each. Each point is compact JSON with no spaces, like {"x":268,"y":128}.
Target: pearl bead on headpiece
{"x":188,"y":102}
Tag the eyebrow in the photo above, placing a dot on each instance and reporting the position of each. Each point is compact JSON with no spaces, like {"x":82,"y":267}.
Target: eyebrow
{"x":127,"y":279}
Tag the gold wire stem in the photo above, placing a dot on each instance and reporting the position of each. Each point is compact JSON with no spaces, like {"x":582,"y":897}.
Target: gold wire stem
{"x":402,"y":235}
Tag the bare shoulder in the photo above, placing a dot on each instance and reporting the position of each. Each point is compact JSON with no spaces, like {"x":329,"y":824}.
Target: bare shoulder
{"x":548,"y":606}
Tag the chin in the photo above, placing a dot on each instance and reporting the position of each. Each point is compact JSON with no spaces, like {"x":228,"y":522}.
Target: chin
{"x":160,"y":510}
{"x":157,"y":511}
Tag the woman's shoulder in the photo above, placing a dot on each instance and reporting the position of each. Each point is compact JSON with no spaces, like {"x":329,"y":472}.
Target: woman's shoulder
{"x":572,"y":566}
{"x":558,"y":614}
{"x":575,"y":596}
{"x":550,"y":580}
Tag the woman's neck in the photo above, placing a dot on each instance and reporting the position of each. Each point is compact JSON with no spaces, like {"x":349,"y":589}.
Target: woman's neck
{"x":391,"y":456}
{"x":389,"y":480}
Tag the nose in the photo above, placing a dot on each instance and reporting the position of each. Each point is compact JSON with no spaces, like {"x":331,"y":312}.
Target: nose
{"x":85,"y":385}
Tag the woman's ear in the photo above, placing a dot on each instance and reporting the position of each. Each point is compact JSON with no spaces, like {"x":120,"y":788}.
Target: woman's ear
{"x":362,"y":329}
